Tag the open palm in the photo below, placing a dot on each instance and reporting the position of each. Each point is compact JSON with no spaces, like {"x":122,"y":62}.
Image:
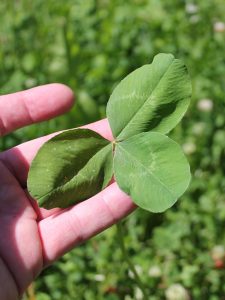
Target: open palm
{"x":32,"y":237}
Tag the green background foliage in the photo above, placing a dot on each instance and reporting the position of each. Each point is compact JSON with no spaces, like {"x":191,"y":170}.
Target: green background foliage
{"x":90,"y":45}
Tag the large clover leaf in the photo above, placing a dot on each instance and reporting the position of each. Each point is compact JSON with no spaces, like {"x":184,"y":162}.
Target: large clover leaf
{"x":148,"y":166}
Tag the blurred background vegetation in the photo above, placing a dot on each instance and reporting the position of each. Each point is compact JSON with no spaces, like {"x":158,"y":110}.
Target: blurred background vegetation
{"x":91,"y":45}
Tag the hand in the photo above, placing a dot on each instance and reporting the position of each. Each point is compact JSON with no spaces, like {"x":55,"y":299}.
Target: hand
{"x":32,"y":237}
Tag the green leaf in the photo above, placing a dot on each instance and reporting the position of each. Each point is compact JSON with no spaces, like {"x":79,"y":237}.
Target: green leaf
{"x":153,"y":97}
{"x":70,"y":167}
{"x":152,"y":169}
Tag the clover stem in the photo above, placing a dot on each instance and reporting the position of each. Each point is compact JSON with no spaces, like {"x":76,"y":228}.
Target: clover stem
{"x":130,"y":264}
{"x":113,"y":145}
{"x":30,"y":292}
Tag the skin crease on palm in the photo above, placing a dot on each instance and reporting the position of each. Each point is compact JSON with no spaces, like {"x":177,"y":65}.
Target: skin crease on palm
{"x":32,"y":237}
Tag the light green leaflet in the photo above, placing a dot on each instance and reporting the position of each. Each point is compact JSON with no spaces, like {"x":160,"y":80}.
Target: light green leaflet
{"x":151,"y":166}
{"x":153,"y":97}
{"x":148,"y":166}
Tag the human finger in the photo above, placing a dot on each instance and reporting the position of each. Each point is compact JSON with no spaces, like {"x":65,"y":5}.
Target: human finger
{"x":33,"y":105}
{"x":63,"y":231}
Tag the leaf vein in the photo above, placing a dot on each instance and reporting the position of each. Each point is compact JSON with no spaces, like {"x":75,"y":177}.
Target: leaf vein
{"x":136,"y":112}
{"x":76,"y":175}
{"x":148,"y":171}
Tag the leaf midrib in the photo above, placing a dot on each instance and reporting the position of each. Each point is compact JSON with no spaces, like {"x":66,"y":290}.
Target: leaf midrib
{"x":136,"y":112}
{"x":148,"y":171}
{"x":78,"y":173}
